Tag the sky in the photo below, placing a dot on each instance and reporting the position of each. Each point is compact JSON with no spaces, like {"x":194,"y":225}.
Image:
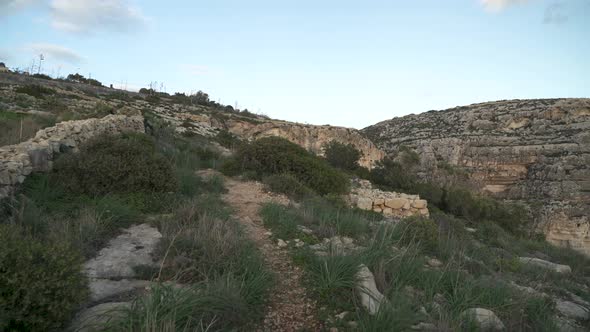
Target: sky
{"x":345,"y":63}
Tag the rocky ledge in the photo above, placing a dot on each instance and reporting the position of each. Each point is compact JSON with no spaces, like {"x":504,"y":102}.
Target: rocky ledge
{"x":533,"y":151}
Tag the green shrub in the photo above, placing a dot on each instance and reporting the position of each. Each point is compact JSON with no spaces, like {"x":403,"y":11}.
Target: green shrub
{"x":274,"y":155}
{"x":422,"y":231}
{"x":115,"y":164}
{"x":392,"y":175}
{"x":228,"y":140}
{"x":41,"y":283}
{"x":343,"y":156}
{"x":35,"y":90}
{"x":288,"y":185}
{"x":333,"y":279}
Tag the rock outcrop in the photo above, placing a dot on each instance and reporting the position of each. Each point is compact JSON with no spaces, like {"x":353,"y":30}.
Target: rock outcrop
{"x":19,"y":160}
{"x":533,"y":151}
{"x":311,"y":137}
{"x":391,"y":204}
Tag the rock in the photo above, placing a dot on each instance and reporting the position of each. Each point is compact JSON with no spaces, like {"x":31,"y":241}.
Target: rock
{"x":94,"y":318}
{"x":572,"y":310}
{"x":304,"y":230}
{"x":396,"y":203}
{"x":423,"y":326}
{"x":364,"y":203}
{"x":132,"y":248}
{"x":367,"y":290}
{"x":104,"y":288}
{"x":513,"y":150}
{"x":485,"y":319}
{"x":419,"y":204}
{"x":557,"y":268}
{"x":433,"y":262}
{"x":342,"y":315}
{"x":470,"y":230}
{"x":281,"y":243}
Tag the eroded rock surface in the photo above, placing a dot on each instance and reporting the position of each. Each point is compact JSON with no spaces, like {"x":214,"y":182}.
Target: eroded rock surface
{"x":371,"y":297}
{"x":112,"y":272}
{"x":533,"y":151}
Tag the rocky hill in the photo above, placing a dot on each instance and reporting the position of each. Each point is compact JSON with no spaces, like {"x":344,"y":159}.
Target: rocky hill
{"x":533,"y":151}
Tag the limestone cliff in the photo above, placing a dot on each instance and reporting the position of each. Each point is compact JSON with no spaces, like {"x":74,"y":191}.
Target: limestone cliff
{"x":534,"y":151}
{"x":311,"y":137}
{"x":308,"y":136}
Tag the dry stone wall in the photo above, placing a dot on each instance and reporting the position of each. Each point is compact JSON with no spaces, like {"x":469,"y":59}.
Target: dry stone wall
{"x":391,"y":204}
{"x":36,"y":155}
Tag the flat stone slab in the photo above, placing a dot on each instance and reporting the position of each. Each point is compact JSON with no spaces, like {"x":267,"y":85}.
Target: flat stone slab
{"x":94,"y":318}
{"x":103,"y":288}
{"x":572,"y":310}
{"x":132,"y":248}
{"x":557,"y":268}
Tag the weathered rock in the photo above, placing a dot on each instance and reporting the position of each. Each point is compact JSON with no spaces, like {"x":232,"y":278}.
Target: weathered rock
{"x":558,"y":268}
{"x":337,"y":245}
{"x":367,"y":290}
{"x":104,"y":288}
{"x":535,"y":152}
{"x":123,"y":253}
{"x":485,"y":319}
{"x":572,"y":310}
{"x":94,"y":318}
{"x":281,"y":243}
{"x":423,"y":326}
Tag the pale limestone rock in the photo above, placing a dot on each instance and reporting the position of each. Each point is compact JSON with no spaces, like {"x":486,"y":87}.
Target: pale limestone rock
{"x":104,"y":288}
{"x":281,"y":243}
{"x":132,"y":248}
{"x":557,"y":268}
{"x":572,"y":310}
{"x":396,"y":203}
{"x":367,"y":290}
{"x":419,"y":204}
{"x":485,"y":319}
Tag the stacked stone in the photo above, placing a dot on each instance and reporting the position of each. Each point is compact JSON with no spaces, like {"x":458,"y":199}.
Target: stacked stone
{"x":395,"y":204}
{"x":36,"y":155}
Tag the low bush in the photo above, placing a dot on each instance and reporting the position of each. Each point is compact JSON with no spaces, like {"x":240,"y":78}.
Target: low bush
{"x":35,"y":90}
{"x":274,"y":155}
{"x":333,"y":279}
{"x":115,"y":164}
{"x":41,"y":283}
{"x":343,"y":156}
{"x":288,"y":185}
{"x":422,"y":231}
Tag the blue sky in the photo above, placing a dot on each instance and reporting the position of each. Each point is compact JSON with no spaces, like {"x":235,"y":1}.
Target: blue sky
{"x":348,"y":63}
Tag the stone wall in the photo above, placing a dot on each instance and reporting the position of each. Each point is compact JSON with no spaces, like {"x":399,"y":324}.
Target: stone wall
{"x":391,"y":204}
{"x":36,"y":155}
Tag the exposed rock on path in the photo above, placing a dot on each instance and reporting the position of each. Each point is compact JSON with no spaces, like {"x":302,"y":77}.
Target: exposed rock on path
{"x":289,"y":307}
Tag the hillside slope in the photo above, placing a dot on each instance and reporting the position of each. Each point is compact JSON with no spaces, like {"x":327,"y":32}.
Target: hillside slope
{"x":534,"y":151}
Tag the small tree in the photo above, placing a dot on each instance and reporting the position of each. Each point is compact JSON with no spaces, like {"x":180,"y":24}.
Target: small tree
{"x":343,"y":156}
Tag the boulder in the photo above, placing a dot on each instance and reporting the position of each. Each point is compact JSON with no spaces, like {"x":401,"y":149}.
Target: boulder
{"x":484,"y":319}
{"x":367,"y":290}
{"x":557,"y":268}
{"x":572,"y":310}
{"x":396,"y":203}
{"x":364,"y":203}
{"x":419,"y":204}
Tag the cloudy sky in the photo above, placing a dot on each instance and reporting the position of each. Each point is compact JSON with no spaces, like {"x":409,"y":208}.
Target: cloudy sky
{"x":339,"y":62}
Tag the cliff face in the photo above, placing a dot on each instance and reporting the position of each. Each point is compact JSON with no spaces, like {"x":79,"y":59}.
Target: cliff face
{"x":533,"y":151}
{"x":308,"y":136}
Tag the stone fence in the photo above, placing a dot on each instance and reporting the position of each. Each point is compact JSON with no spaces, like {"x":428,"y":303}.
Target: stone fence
{"x":36,"y":155}
{"x":391,"y":204}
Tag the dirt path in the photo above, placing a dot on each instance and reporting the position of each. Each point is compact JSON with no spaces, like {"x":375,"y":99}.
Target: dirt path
{"x":289,"y":308}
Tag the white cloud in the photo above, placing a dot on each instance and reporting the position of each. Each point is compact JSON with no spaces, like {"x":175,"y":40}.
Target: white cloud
{"x":56,"y":53}
{"x":196,"y":70}
{"x":11,"y":6}
{"x":83,"y":16}
{"x":499,"y":5}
